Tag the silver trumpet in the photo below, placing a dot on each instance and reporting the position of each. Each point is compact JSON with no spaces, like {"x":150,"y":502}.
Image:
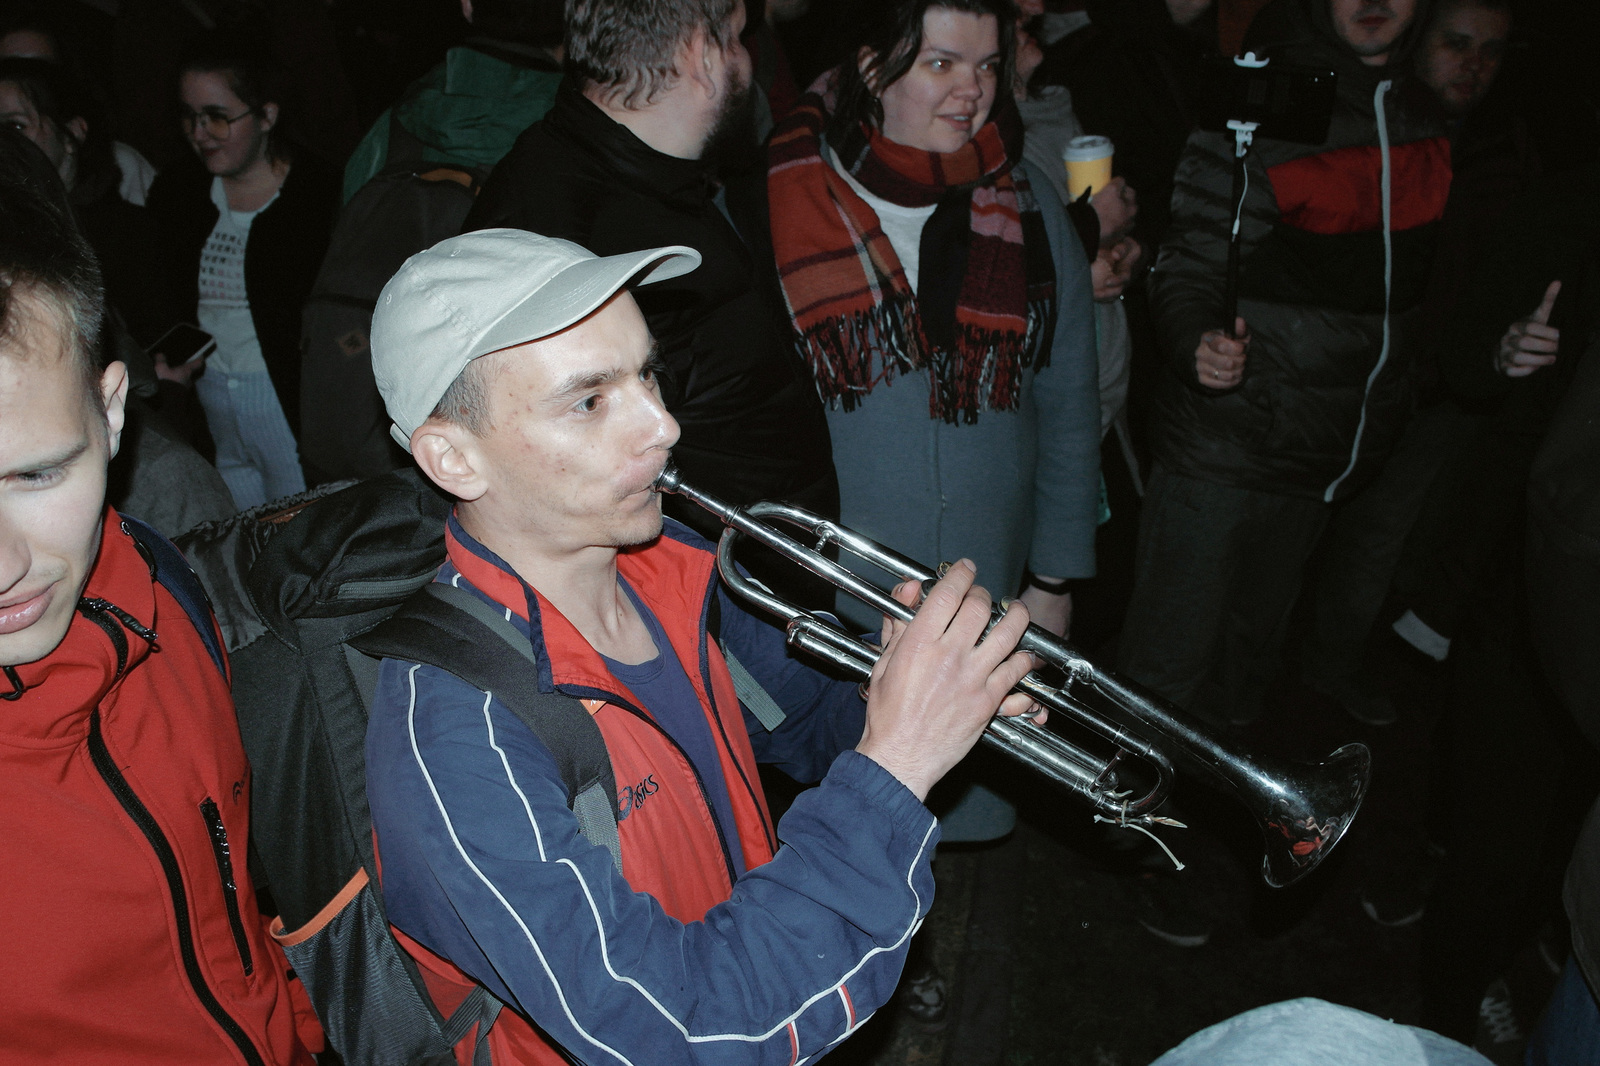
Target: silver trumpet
{"x":1303,"y":809}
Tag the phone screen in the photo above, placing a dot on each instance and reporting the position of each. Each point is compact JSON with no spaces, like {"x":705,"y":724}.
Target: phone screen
{"x":183,"y":343}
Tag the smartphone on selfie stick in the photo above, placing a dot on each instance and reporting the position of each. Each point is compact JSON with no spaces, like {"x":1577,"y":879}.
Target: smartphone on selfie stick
{"x":1259,"y":96}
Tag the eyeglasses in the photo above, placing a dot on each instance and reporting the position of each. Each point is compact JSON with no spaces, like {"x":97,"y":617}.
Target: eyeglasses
{"x":216,"y":123}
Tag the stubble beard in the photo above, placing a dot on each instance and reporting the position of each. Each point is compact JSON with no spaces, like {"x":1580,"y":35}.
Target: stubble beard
{"x":733,"y":135}
{"x":641,"y":527}
{"x":1367,"y":48}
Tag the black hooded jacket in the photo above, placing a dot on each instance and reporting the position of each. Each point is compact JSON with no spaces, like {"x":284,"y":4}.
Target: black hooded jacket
{"x":1327,"y":385}
{"x":753,"y":427}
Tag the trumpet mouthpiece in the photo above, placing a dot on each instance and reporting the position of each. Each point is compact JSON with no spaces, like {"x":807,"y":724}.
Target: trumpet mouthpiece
{"x":667,"y":480}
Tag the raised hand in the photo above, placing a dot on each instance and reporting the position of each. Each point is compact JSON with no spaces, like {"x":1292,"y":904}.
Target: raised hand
{"x":1531,"y":342}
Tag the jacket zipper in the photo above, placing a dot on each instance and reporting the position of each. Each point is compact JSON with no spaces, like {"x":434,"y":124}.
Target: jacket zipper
{"x":141,"y":816}
{"x":230,"y":887}
{"x":96,"y":613}
{"x":1388,"y":278}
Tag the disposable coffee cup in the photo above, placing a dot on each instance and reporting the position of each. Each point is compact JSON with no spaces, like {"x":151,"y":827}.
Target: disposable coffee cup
{"x":1088,"y":162}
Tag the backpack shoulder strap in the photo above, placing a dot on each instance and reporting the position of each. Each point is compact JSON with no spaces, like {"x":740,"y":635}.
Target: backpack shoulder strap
{"x":756,"y":699}
{"x":172,"y":570}
{"x":449,"y":628}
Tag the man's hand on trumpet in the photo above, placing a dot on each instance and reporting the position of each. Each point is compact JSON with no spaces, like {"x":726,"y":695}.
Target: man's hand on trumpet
{"x":935,"y":687}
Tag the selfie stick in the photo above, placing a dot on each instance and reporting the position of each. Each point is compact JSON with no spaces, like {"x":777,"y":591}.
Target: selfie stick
{"x":1243,"y":136}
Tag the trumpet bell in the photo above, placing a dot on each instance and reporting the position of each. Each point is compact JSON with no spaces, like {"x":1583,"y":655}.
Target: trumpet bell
{"x":1305,"y":810}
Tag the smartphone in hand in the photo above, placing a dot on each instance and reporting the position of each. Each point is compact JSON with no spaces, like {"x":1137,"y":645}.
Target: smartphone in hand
{"x":183,"y":344}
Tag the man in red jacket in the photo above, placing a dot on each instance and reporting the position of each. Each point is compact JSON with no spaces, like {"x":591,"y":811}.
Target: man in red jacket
{"x":131,"y":930}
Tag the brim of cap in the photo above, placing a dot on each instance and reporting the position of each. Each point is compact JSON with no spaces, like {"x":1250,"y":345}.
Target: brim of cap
{"x":578,"y":291}
{"x":570,"y":296}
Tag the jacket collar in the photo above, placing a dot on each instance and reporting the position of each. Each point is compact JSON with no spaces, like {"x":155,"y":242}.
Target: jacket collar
{"x":681,"y":182}
{"x":60,"y":690}
{"x":672,"y":575}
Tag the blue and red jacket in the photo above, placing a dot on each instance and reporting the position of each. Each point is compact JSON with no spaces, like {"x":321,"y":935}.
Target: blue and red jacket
{"x":678,"y":959}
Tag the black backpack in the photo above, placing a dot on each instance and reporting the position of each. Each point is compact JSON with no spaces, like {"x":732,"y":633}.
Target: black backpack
{"x":307,"y":591}
{"x":408,"y":206}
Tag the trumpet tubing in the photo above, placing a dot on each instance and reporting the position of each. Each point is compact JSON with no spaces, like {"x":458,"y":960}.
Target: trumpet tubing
{"x":1303,"y":810}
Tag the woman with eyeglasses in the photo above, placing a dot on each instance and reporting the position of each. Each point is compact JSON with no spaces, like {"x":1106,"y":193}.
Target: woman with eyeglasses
{"x":243,"y":234}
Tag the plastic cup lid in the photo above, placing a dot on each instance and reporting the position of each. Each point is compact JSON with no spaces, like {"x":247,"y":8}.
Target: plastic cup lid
{"x":1084,"y":149}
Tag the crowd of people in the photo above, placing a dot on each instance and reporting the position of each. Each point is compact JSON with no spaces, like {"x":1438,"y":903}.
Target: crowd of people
{"x":446,"y":296}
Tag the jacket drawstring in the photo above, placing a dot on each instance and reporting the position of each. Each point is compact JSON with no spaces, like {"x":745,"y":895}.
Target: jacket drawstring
{"x":1388,"y":278}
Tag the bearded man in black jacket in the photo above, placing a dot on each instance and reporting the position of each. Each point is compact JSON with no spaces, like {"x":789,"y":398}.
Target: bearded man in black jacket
{"x":626,"y":159}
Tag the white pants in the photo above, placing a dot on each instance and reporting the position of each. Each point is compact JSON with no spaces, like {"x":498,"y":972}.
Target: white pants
{"x":256,"y":451}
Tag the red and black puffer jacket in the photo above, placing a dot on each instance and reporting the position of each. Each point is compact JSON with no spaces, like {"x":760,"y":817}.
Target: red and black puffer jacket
{"x":1336,"y":244}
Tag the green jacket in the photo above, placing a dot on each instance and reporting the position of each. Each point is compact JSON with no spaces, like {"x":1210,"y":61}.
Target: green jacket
{"x":467,"y":111}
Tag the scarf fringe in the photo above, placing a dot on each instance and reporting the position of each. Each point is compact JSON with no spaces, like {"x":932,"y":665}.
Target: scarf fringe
{"x":860,"y":324}
{"x":851,"y":354}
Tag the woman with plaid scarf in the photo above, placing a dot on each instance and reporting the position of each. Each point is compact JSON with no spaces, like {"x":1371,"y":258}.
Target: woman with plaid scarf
{"x":942,"y":300}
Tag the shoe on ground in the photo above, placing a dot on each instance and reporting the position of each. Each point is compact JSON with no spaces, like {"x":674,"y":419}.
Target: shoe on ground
{"x":1499,"y":1038}
{"x":924,"y":998}
{"x":1172,"y":909}
{"x":1395,"y":894}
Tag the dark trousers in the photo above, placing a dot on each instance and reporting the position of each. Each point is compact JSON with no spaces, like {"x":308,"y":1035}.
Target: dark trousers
{"x":1364,"y":544}
{"x":1517,"y":786}
{"x":1217,"y":572}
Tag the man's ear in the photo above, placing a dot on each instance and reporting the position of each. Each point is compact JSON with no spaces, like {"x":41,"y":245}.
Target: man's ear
{"x":78,"y":131}
{"x":700,"y":62}
{"x":269,"y":116}
{"x":114,"y":402}
{"x":452,"y":458}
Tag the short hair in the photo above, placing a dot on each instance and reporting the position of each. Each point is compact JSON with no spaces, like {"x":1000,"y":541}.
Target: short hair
{"x":44,"y":256}
{"x":466,"y":402}
{"x":540,"y":23}
{"x":628,"y":48}
{"x":252,"y":73}
{"x":892,"y":31}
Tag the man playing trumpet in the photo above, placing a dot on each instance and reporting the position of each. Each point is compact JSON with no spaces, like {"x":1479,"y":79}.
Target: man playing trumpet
{"x":518,"y":370}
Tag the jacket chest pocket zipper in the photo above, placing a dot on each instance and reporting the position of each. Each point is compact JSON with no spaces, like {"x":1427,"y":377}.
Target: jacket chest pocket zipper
{"x":230,"y":887}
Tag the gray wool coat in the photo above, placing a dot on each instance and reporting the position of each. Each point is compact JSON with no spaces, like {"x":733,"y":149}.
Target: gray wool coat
{"x":1018,"y":488}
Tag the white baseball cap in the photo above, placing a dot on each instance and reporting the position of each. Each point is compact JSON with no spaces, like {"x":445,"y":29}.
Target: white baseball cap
{"x":480,"y":292}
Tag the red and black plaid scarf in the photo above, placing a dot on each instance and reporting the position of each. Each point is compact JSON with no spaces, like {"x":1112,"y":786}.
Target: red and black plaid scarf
{"x":987,"y":282}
